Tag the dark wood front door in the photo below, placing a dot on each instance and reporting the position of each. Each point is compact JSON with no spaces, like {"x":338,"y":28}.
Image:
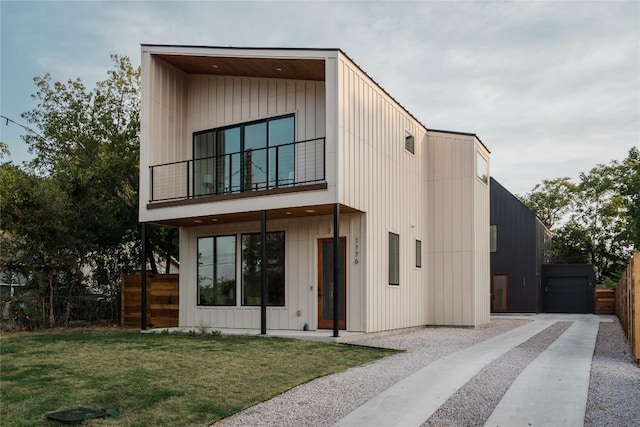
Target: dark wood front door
{"x":325,"y":284}
{"x":499,"y":293}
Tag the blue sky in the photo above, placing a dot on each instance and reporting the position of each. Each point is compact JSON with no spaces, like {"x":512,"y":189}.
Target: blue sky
{"x":552,"y":88}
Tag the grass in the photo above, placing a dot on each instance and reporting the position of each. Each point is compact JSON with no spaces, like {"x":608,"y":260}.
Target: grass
{"x":156,"y":379}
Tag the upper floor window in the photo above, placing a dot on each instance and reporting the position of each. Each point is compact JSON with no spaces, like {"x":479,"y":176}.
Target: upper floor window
{"x":409,"y":142}
{"x":482,"y":168}
{"x":394,"y":259}
{"x":418,"y":254}
{"x":248,"y":156}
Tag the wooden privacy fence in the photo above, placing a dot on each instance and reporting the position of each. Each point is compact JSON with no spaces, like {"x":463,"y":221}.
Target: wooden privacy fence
{"x":162,"y":301}
{"x":628,"y":304}
{"x":604,"y":301}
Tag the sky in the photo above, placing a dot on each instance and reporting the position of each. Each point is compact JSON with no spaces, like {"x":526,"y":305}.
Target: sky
{"x":551,"y":88}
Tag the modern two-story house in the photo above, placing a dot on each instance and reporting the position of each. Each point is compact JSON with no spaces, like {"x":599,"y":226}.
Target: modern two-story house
{"x":278,"y":165}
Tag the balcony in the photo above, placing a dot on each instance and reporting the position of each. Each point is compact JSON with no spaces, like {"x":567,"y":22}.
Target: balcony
{"x":284,"y":166}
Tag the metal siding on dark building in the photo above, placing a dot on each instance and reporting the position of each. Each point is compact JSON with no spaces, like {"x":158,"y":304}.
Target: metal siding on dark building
{"x":519,"y":250}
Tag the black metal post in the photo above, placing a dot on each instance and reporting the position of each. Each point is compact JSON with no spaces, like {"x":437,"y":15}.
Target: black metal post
{"x":230,"y":189}
{"x":324,"y":158}
{"x":151,"y":196}
{"x":143,"y":274}
{"x":263,"y":272}
{"x":189,"y":179}
{"x":336,"y":267}
{"x":277,"y":167}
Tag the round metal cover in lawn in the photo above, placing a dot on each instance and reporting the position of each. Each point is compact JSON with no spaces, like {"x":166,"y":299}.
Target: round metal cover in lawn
{"x":76,"y":415}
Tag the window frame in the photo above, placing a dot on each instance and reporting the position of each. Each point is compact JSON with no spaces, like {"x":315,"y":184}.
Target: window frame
{"x":394,"y":273}
{"x":214,"y":268}
{"x":284,"y":271}
{"x":409,"y":142}
{"x":242,"y":126}
{"x":483,"y":178}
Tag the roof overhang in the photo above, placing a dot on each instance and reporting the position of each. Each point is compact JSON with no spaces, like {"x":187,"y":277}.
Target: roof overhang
{"x":277,"y":63}
{"x":274,"y":68}
{"x":282,"y":213}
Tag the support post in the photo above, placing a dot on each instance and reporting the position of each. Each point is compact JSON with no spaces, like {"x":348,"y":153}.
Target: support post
{"x":263,"y":272}
{"x":143,"y":274}
{"x":336,"y":268}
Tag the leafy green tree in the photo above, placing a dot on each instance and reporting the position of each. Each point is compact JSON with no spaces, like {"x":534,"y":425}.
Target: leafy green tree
{"x":595,"y":221}
{"x":551,"y":200}
{"x":33,"y":241}
{"x":85,"y":174}
{"x":630,"y":191}
{"x":600,"y":211}
{"x":4,"y":150}
{"x":90,"y":146}
{"x":570,"y":245}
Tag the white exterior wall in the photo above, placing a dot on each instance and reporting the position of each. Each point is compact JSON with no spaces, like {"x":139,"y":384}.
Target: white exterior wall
{"x":168,"y":107}
{"x":458,"y":248}
{"x":163,"y":117}
{"x":378,"y":176}
{"x":432,"y":195}
{"x":216,"y":101}
{"x":482,"y":256}
{"x":301,"y":276}
{"x":175,"y":105}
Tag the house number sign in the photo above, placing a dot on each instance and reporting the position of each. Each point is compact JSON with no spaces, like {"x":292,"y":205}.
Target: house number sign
{"x":355,"y":258}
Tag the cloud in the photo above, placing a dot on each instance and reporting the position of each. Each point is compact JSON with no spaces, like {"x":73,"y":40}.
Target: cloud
{"x":551,"y":87}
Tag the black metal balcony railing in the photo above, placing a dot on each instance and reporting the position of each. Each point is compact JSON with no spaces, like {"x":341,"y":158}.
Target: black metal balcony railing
{"x":286,"y":165}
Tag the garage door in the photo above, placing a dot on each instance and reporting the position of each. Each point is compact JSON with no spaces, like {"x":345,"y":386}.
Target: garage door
{"x":567,"y":295}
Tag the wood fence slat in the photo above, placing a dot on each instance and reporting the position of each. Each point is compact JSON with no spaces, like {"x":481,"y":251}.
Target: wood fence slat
{"x":635,"y":296}
{"x":604,"y":301}
{"x":164,"y":306}
{"x":162,"y":300}
{"x":628,"y":304}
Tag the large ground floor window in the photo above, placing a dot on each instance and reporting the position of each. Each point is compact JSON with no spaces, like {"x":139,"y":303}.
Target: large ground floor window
{"x":217,"y":269}
{"x":251,"y":269}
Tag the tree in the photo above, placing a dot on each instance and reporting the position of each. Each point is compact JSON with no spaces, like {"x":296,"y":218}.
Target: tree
{"x":570,"y":245}
{"x":551,"y":200}
{"x":81,"y":185}
{"x":630,"y":191}
{"x":34,"y":237}
{"x":4,"y":150}
{"x":595,"y":221}
{"x":600,"y":211}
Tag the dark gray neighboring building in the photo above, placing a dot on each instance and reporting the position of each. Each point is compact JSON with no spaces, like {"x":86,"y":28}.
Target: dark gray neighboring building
{"x":519,"y":247}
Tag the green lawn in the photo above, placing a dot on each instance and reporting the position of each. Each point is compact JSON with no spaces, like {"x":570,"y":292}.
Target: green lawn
{"x":156,"y":379}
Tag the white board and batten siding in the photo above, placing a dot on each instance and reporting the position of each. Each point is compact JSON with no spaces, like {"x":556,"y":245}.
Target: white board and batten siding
{"x":431,"y":195}
{"x":458,"y":245}
{"x":301,"y":276}
{"x":180,"y":104}
{"x":377,"y":175}
{"x":482,"y":261}
{"x":163,"y":129}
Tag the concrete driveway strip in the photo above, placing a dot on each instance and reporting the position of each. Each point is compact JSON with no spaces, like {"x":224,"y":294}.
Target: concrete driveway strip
{"x":414,"y":399}
{"x":553,"y":389}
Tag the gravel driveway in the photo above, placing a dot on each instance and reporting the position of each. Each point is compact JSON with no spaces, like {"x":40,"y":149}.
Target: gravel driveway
{"x":613,"y":399}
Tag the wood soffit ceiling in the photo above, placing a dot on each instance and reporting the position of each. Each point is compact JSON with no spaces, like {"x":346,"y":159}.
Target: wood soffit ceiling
{"x":298,"y":69}
{"x":284,"y":213}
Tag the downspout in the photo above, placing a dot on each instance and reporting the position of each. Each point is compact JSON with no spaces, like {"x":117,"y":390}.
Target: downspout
{"x":143,"y":274}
